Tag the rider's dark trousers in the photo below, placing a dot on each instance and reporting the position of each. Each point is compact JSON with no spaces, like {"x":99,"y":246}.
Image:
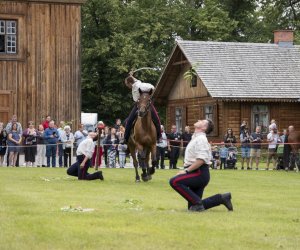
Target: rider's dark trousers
{"x":191,"y":187}
{"x":132,"y":116}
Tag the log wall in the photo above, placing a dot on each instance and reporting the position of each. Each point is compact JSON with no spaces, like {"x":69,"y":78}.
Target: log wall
{"x":45,"y":74}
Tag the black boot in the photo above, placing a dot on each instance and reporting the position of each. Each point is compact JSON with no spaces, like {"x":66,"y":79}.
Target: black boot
{"x":100,"y":175}
{"x":226,"y":201}
{"x":197,"y":207}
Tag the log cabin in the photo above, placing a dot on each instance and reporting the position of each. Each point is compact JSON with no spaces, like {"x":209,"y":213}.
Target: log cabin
{"x":232,"y":82}
{"x":40,"y":60}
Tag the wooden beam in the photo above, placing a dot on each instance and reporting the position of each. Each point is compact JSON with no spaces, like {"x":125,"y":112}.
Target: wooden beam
{"x":180,"y":62}
{"x":51,"y":1}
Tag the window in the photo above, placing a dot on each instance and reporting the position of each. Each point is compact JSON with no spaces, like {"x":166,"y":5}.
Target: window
{"x":8,"y":36}
{"x":178,"y":119}
{"x":260,"y":117}
{"x":208,"y":112}
{"x":194,"y":81}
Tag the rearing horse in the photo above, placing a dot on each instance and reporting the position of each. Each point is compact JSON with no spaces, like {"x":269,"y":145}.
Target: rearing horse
{"x":143,"y":138}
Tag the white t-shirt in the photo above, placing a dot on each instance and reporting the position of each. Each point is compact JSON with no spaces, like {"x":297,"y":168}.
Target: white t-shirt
{"x":272,"y":139}
{"x":198,"y":148}
{"x":145,"y":87}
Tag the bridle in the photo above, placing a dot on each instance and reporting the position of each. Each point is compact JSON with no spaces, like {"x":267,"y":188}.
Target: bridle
{"x":142,"y":113}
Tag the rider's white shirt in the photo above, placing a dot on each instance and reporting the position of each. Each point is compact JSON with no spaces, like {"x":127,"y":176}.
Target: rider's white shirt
{"x":145,"y":87}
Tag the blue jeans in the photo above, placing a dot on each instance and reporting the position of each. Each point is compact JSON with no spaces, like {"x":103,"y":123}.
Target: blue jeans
{"x":51,"y":152}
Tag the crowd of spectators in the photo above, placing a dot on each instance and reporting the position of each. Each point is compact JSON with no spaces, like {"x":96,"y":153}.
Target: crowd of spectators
{"x":44,"y":143}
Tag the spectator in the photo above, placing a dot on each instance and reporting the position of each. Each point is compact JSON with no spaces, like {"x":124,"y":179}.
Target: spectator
{"x":273,"y":125}
{"x":245,"y":147}
{"x":272,"y":139}
{"x":29,"y":135}
{"x":60,"y":131}
{"x":99,"y":129}
{"x":105,"y":147}
{"x":256,"y":139}
{"x":3,"y":138}
{"x":186,"y":138}
{"x":45,"y":123}
{"x":117,"y":126}
{"x":161,"y":147}
{"x":283,"y":136}
{"x":243,"y":126}
{"x":229,"y":138}
{"x":80,"y":134}
{"x":288,"y":156}
{"x":41,"y":147}
{"x":51,"y":139}
{"x":174,"y":143}
{"x":13,"y":143}
{"x":122,"y":149}
{"x":223,"y":155}
{"x":12,"y":121}
{"x":215,"y":157}
{"x":67,"y":139}
{"x":112,"y":142}
{"x":20,"y":132}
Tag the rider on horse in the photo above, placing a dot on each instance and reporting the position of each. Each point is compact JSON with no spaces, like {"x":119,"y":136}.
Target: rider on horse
{"x":137,"y":86}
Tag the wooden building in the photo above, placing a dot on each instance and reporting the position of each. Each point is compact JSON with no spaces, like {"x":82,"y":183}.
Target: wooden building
{"x":233,"y":82}
{"x":40,"y":60}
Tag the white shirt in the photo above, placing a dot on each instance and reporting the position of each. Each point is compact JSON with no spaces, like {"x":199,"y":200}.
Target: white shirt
{"x":272,"y":139}
{"x":145,"y":87}
{"x":64,"y":138}
{"x":164,"y":142}
{"x":86,"y":147}
{"x":198,"y":148}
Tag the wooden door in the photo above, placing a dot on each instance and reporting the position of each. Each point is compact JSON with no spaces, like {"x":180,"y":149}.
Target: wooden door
{"x":6,"y":105}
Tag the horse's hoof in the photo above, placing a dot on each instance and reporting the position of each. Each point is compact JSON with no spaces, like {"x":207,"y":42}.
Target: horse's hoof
{"x":152,"y":170}
{"x":137,"y":181}
{"x":145,"y":177}
{"x":149,"y":177}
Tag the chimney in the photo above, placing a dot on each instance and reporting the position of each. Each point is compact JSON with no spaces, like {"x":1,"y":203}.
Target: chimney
{"x":284,"y":38}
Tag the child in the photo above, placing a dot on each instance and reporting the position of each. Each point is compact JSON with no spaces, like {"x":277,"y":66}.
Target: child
{"x":215,"y":157}
{"x":122,"y":148}
{"x":223,"y":155}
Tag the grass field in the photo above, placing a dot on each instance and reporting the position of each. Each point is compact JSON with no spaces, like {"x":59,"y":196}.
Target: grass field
{"x":146,"y":215}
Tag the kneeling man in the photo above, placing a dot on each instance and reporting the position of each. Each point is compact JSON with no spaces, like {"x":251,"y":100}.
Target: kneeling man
{"x":84,"y":154}
{"x":191,"y":181}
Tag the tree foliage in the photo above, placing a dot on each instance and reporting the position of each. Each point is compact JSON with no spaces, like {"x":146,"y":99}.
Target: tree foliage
{"x":118,"y":36}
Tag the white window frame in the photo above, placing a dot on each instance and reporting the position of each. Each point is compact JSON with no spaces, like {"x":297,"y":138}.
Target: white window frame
{"x":178,"y":119}
{"x":8,"y":29}
{"x":209,"y":112}
{"x":259,"y":110}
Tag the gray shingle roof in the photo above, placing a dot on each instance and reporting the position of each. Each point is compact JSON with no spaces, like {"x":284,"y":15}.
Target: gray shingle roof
{"x":245,"y":70}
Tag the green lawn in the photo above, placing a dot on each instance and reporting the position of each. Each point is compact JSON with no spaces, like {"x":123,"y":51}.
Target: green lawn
{"x":149,"y":215}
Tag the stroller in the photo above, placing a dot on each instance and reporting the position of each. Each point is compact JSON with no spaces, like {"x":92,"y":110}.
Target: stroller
{"x":231,"y":158}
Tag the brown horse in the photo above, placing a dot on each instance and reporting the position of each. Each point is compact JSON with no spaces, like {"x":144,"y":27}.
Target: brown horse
{"x":294,"y":139}
{"x":143,"y":139}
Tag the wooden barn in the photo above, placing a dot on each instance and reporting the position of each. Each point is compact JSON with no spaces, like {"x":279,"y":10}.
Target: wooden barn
{"x":232,"y":82}
{"x":40,"y":60}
